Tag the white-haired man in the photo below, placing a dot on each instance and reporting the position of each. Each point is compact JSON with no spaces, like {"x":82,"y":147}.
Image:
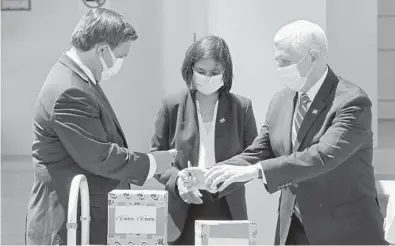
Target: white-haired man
{"x":315,"y":146}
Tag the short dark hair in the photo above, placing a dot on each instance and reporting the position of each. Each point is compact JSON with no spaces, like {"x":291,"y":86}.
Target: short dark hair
{"x":208,"y":47}
{"x":102,"y":25}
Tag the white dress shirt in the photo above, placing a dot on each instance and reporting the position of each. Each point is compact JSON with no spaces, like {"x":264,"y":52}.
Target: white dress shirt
{"x":311,"y":93}
{"x":206,"y":139}
{"x":74,"y":56}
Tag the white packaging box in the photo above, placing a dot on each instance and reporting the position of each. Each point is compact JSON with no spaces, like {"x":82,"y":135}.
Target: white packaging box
{"x":137,"y":217}
{"x":225,"y":232}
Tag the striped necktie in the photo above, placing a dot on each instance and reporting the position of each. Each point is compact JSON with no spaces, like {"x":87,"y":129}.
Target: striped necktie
{"x":302,"y":110}
{"x":300,"y":114}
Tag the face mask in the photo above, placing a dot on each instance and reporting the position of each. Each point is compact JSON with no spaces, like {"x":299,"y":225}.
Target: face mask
{"x":291,"y":77}
{"x":207,"y":85}
{"x":107,"y":72}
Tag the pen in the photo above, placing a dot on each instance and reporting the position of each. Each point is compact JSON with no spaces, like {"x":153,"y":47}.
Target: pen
{"x":189,"y":173}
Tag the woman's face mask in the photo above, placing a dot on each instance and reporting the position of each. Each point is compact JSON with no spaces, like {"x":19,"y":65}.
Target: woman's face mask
{"x":207,"y":84}
{"x":208,"y":76}
{"x":109,"y":72}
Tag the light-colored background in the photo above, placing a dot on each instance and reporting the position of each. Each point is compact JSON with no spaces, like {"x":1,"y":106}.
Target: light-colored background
{"x":361,"y":49}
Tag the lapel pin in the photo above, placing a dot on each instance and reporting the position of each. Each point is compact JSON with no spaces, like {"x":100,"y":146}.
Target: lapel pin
{"x":315,"y":111}
{"x":222,"y":120}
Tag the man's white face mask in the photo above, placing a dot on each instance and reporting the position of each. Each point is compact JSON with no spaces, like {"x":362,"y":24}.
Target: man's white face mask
{"x":107,"y":72}
{"x":291,"y":78}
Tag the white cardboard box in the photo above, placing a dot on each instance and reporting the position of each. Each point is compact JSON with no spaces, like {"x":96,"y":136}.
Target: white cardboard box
{"x":225,"y":232}
{"x":137,"y":217}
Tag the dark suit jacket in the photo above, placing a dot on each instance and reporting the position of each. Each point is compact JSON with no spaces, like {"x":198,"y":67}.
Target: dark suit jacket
{"x":75,"y":131}
{"x":329,"y":170}
{"x":177,"y":127}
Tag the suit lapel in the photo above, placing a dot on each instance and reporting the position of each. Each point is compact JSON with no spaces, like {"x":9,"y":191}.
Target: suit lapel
{"x":187,"y":135}
{"x":315,"y":108}
{"x":289,"y":108}
{"x":222,"y":123}
{"x":100,"y":96}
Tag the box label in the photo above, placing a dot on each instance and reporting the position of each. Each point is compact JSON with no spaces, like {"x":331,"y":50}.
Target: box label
{"x":135,"y":219}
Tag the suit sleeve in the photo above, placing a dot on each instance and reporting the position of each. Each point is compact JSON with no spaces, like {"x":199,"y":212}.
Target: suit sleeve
{"x":250,"y":133}
{"x":76,"y":121}
{"x":259,"y":150}
{"x":160,"y":141}
{"x":350,"y":131}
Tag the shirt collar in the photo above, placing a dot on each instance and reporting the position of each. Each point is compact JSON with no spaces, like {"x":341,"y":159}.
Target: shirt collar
{"x":312,"y":92}
{"x":72,"y":53}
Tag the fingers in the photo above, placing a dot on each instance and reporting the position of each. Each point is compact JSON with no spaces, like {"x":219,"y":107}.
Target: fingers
{"x":212,"y":170}
{"x":213,"y":174}
{"x":210,"y":175}
{"x":196,"y":196}
{"x":191,"y":186}
{"x":188,"y":195}
{"x":225,"y":184}
{"x":186,"y":177}
{"x":185,"y":197}
{"x":173,"y":152}
{"x":183,"y":175}
{"x":197,"y":193}
{"x":219,"y":179}
{"x":192,"y":197}
{"x":208,"y":188}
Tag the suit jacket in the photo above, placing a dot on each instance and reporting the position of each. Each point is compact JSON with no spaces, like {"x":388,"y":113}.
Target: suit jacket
{"x":75,"y":131}
{"x":329,"y":169}
{"x":177,"y":127}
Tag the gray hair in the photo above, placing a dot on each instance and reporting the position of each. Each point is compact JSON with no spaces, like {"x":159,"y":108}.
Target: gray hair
{"x":102,"y":25}
{"x":306,"y":33}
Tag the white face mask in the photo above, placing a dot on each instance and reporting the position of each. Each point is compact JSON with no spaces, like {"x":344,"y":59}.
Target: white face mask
{"x":107,"y":72}
{"x":207,"y":85}
{"x":291,"y":78}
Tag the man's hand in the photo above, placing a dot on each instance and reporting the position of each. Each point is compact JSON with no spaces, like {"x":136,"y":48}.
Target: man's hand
{"x":228,"y":174}
{"x":185,"y":185}
{"x":164,"y":160}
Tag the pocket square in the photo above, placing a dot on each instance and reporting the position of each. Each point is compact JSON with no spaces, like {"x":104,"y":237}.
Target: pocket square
{"x":315,"y":111}
{"x":222,"y":120}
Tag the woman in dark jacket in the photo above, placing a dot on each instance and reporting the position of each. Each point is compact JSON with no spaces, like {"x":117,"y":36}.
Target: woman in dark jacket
{"x":206,"y":124}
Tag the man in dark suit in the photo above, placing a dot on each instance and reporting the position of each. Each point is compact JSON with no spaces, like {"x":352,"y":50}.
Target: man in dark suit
{"x":316,"y":147}
{"x":76,"y":132}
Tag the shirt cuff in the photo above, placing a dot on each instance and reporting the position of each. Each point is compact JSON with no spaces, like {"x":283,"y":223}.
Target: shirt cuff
{"x":259,"y":166}
{"x":152,"y":166}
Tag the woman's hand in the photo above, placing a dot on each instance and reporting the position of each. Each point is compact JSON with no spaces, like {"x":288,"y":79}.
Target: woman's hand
{"x":186,"y":185}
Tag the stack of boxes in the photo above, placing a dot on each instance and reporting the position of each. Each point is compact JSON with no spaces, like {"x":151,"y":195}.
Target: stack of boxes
{"x":139,"y":217}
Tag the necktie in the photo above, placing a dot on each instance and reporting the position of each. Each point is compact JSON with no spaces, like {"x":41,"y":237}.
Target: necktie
{"x":300,"y":114}
{"x":302,"y":110}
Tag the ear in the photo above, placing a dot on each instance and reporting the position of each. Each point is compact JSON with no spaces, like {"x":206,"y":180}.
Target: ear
{"x":314,"y":55}
{"x":100,"y":49}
